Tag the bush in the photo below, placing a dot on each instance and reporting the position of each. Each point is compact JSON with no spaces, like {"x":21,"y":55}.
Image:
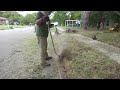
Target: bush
{"x":11,"y":27}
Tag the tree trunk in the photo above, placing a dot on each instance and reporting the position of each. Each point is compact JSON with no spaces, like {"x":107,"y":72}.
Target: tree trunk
{"x":84,"y":19}
{"x":102,"y":22}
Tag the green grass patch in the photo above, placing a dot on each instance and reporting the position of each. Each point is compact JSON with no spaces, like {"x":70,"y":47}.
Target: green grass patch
{"x":84,"y":62}
{"x":5,"y":27}
{"x":32,"y":58}
{"x":53,"y":29}
{"x":111,"y":38}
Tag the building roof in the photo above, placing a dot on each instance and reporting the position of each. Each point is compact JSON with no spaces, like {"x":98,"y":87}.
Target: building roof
{"x":2,"y":18}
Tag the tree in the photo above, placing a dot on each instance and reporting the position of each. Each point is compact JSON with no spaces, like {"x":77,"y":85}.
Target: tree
{"x":1,"y":13}
{"x":75,"y":15}
{"x":12,"y":16}
{"x":59,"y":16}
{"x":84,"y":19}
{"x":97,"y":16}
{"x":117,"y":12}
{"x":29,"y":18}
{"x":100,"y":16}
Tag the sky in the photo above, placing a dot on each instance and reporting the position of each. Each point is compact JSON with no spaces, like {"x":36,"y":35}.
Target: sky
{"x":24,"y":13}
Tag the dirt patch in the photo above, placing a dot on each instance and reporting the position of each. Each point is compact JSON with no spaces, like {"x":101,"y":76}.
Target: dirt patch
{"x":68,"y":30}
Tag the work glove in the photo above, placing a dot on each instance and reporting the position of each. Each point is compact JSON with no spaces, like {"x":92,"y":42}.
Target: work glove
{"x":41,"y":20}
{"x":51,"y":25}
{"x":45,"y":18}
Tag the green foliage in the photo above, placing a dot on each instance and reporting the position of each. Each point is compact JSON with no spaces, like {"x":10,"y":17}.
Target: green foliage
{"x":11,"y":27}
{"x":75,"y":15}
{"x":96,"y":16}
{"x":16,"y":17}
{"x":12,"y":15}
{"x":61,"y":16}
{"x":1,"y":13}
{"x":29,"y":18}
{"x":115,"y":17}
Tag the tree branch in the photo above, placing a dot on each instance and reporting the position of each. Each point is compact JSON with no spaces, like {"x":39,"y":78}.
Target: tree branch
{"x":117,"y":12}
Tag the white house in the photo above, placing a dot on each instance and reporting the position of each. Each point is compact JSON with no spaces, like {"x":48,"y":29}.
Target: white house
{"x":3,"y":21}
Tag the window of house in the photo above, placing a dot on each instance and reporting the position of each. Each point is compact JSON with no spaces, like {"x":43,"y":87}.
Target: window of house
{"x":107,"y":24}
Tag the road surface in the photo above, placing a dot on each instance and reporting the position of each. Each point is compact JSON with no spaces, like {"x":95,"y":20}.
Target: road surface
{"x":10,"y":40}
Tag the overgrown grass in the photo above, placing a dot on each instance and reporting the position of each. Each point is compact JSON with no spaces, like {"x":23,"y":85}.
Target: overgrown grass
{"x":87,"y":63}
{"x":32,"y":58}
{"x":111,"y":38}
{"x":53,"y":29}
{"x":5,"y":27}
{"x":84,"y":62}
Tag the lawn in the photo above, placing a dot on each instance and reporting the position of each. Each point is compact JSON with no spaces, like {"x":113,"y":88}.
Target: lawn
{"x":82,"y":62}
{"x":111,"y":38}
{"x":87,"y":63}
{"x":5,"y":27}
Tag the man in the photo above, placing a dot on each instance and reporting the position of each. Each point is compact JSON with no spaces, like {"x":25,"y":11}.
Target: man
{"x":42,"y":34}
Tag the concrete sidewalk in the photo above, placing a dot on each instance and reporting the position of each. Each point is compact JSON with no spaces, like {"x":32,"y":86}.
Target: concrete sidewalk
{"x":109,"y":50}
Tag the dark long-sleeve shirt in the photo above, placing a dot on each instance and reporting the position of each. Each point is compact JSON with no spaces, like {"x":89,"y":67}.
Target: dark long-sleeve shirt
{"x":42,"y":30}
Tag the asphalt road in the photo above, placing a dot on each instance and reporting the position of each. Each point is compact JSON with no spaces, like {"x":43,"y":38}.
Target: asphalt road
{"x":9,"y":42}
{"x":10,"y":39}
